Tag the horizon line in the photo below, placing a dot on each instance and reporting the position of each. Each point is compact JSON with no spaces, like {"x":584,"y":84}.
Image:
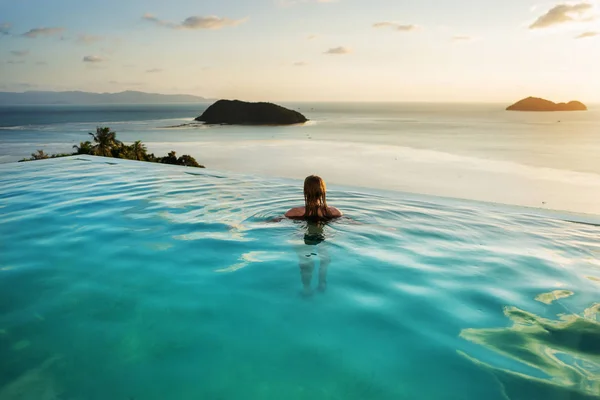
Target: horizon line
{"x":210,"y":98}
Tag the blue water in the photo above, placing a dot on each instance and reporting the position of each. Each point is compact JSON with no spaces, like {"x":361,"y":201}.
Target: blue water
{"x":123,"y":280}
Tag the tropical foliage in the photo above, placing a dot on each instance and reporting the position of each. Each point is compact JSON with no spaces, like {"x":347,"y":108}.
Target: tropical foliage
{"x":84,"y":148}
{"x":104,"y":143}
{"x":39,"y":155}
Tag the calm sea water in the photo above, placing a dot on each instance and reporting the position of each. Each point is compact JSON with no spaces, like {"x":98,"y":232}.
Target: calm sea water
{"x":122,"y":280}
{"x":478,"y":152}
{"x":566,"y":140}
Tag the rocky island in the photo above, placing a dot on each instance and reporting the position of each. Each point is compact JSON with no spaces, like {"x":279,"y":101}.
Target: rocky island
{"x":537,"y":104}
{"x":236,"y":112}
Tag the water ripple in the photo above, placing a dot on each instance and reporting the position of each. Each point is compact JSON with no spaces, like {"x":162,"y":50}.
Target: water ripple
{"x":170,"y":272}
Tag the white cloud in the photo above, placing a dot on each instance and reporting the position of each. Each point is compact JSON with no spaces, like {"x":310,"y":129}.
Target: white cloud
{"x":35,"y":32}
{"x":396,"y":26}
{"x":339,"y":50}
{"x":93,"y":59}
{"x":565,"y":13}
{"x":196,"y":22}
{"x":587,"y":35}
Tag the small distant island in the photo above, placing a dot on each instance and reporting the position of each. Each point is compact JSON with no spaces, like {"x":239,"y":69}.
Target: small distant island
{"x":236,"y":112}
{"x":538,"y":104}
{"x":105,"y":144}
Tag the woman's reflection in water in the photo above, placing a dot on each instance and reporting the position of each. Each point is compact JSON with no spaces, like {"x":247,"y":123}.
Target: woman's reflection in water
{"x":313,"y":248}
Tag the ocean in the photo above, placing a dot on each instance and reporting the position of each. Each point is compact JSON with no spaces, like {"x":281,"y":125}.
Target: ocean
{"x":468,"y":151}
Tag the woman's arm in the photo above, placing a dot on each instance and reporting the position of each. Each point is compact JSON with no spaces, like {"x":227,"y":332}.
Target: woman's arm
{"x":296,"y":212}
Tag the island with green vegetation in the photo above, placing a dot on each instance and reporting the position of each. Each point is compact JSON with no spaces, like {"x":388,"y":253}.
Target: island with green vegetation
{"x":104,"y":143}
{"x":538,"y":104}
{"x":236,"y":112}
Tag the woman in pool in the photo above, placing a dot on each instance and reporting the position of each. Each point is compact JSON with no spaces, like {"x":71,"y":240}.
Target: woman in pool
{"x":315,"y":202}
{"x":316,"y":212}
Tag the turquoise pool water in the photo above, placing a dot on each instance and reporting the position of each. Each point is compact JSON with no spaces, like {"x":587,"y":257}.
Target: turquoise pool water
{"x":125,"y":280}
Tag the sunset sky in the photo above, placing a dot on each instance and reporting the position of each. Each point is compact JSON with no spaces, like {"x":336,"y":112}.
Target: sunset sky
{"x":344,"y":50}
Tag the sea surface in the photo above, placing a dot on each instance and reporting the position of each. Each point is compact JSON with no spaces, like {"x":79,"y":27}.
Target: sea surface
{"x":128,"y":280}
{"x":468,"y":151}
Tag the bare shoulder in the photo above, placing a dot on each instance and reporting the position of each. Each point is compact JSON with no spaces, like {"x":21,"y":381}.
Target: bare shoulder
{"x":295,"y":212}
{"x":334,"y":212}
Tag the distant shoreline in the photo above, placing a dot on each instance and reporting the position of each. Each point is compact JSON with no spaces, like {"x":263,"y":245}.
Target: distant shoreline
{"x":88,"y":98}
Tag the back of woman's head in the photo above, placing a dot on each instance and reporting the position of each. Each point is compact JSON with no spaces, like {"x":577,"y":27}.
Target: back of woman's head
{"x":315,"y":196}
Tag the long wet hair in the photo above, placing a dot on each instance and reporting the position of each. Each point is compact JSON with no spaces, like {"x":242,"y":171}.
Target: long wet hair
{"x":315,"y":198}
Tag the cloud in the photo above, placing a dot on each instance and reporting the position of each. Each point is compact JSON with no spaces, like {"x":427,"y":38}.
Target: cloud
{"x":339,"y":50}
{"x":5,"y":28}
{"x":210,"y":22}
{"x":153,"y":70}
{"x":461,"y":38}
{"x":93,"y":59}
{"x":196,"y":22}
{"x":587,"y":35}
{"x":151,"y":18}
{"x":15,"y":62}
{"x":20,"y":53}
{"x":564,"y":13}
{"x":311,"y":37}
{"x":396,"y":26}
{"x":300,"y":64}
{"x":88,"y":39}
{"x":35,"y":32}
{"x":41,"y":63}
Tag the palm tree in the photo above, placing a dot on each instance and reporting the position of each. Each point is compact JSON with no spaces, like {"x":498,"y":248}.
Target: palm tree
{"x":84,"y":147}
{"x":138,"y":150}
{"x":105,"y":141}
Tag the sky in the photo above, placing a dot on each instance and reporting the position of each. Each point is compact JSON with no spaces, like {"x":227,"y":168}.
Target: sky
{"x":306,"y":50}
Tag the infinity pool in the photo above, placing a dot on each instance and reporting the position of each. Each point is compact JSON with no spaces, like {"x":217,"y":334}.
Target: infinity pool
{"x":126,"y":280}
